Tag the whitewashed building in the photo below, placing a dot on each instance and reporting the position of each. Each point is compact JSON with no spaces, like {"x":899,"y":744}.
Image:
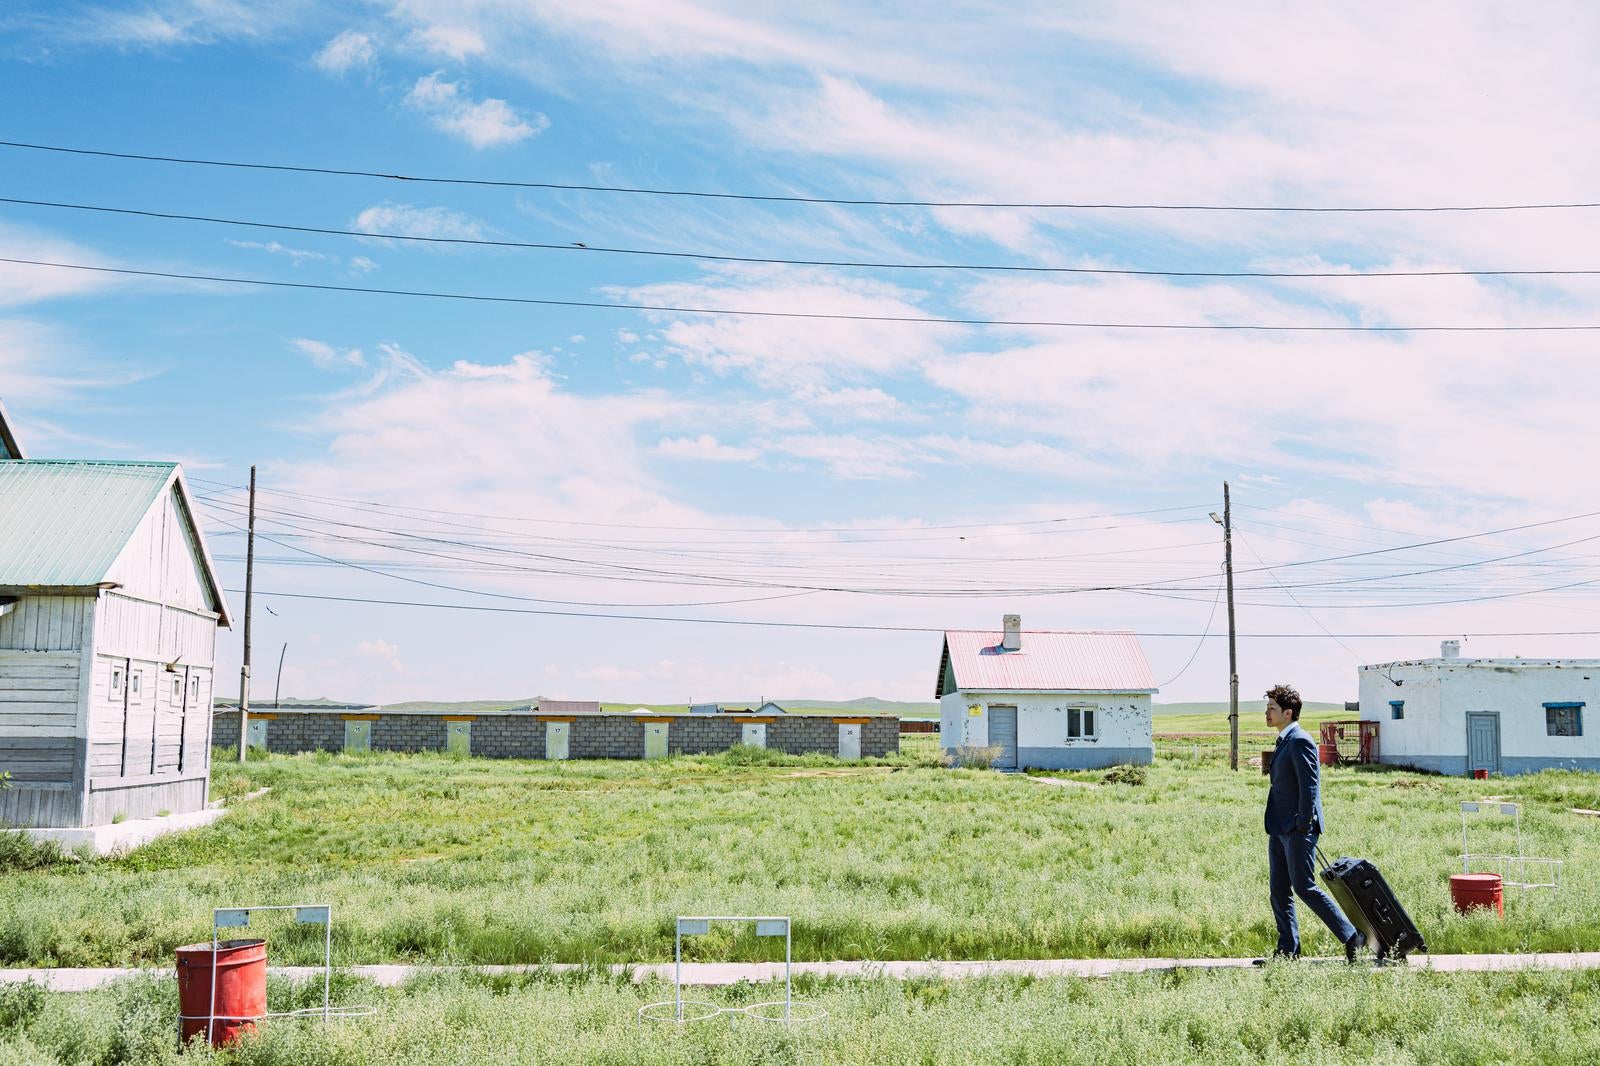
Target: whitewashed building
{"x":109,"y":607}
{"x":1454,"y":715}
{"x":1047,"y":700}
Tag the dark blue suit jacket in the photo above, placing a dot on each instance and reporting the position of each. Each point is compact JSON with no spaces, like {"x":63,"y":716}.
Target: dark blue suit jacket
{"x":1294,"y":802}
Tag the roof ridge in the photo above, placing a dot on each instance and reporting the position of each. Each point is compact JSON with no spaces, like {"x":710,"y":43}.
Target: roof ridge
{"x":93,"y":462}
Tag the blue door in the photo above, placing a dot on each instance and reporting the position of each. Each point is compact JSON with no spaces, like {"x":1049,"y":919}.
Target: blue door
{"x":1003,"y":735}
{"x":1483,"y":741}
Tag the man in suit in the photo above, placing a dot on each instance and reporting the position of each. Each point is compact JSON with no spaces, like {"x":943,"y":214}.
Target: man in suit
{"x":1293,"y":822}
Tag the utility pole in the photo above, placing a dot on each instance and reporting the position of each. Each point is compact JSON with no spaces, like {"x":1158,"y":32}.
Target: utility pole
{"x":249,"y":589}
{"x":1233,"y":652}
{"x":278,"y":688}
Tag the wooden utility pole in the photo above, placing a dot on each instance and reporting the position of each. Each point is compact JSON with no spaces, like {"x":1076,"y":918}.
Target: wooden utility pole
{"x":249,"y":589}
{"x":1233,"y":653}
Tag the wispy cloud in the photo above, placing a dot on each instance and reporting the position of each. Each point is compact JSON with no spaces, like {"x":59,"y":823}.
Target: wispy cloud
{"x":325,"y":356}
{"x":486,"y":123}
{"x":349,"y":50}
{"x":704,"y":447}
{"x":409,"y":220}
{"x":295,"y":255}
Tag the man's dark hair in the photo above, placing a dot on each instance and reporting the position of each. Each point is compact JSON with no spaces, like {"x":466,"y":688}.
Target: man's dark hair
{"x":1286,"y":697}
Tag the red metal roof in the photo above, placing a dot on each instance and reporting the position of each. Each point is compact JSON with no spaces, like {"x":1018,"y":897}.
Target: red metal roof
{"x":1062,"y":661}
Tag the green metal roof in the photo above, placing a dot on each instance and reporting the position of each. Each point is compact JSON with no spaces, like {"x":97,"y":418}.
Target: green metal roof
{"x":64,"y":522}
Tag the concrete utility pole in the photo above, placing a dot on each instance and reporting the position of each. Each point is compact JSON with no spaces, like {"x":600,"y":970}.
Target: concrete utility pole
{"x":249,"y":588}
{"x":277,"y":689}
{"x":1233,"y":652}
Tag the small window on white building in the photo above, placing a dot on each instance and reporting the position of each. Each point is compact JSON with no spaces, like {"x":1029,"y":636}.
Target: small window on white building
{"x":116,"y":680}
{"x":1081,"y":723}
{"x":177,"y":691}
{"x":1563,"y":719}
{"x":1397,"y":709}
{"x":133,"y":682}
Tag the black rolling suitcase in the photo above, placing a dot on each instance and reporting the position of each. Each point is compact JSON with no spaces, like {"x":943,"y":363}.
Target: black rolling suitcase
{"x":1370,"y":904}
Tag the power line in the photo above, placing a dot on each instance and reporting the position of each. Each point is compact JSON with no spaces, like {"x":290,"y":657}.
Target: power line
{"x":790,"y":199}
{"x":849,"y":627}
{"x":409,"y":511}
{"x":928,"y":320}
{"x":715,"y":257}
{"x":1205,"y":633}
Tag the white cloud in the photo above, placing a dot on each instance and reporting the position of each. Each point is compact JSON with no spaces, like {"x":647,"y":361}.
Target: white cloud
{"x":485,"y":123}
{"x":705,"y":447}
{"x":325,"y":356}
{"x":856,"y":458}
{"x":383,"y":653}
{"x":165,"y":23}
{"x":456,"y":42}
{"x":409,"y":220}
{"x":348,"y":50}
{"x":360,"y":264}
{"x":22,"y":283}
{"x":790,"y":352}
{"x":295,"y":255}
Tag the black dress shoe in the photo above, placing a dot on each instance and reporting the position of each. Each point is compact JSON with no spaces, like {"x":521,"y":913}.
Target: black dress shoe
{"x":1353,"y":945}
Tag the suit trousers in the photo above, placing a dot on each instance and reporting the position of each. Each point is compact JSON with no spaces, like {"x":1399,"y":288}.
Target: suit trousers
{"x":1291,"y":869}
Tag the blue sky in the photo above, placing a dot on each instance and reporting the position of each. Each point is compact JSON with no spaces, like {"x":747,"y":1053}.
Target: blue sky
{"x":702,"y":453}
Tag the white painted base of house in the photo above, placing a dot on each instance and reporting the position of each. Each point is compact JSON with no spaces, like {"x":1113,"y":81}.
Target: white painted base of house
{"x":124,"y":836}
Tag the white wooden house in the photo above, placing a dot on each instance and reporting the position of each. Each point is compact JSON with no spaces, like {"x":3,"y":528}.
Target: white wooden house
{"x":109,"y":608}
{"x":1050,"y":700}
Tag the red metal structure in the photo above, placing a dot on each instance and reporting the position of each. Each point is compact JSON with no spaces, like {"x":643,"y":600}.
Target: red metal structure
{"x":1355,"y":741}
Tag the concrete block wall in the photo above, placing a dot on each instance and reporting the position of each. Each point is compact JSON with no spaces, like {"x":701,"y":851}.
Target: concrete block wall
{"x":698,"y":734}
{"x":880,"y":737}
{"x":507,"y":737}
{"x":522,"y":736}
{"x":400,"y":732}
{"x":802,"y":734}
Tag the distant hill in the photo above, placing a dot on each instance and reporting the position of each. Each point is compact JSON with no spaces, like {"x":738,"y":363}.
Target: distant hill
{"x":1252,"y":707}
{"x":869,"y":703}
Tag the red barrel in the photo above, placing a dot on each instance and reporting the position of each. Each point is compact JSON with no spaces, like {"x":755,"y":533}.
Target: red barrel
{"x":1480,"y":775}
{"x":1478,"y":890}
{"x":1329,"y":754}
{"x":241,"y":989}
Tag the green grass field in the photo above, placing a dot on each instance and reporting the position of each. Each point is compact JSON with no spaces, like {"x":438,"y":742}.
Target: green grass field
{"x":429,"y":857}
{"x":1287,"y":1013}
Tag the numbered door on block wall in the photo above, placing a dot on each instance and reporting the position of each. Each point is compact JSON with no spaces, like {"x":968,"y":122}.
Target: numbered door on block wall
{"x":753,"y":734}
{"x":458,"y":738}
{"x":849,"y":741}
{"x":256,"y":733}
{"x":655,"y":740}
{"x":557,"y":740}
{"x":358,"y":736}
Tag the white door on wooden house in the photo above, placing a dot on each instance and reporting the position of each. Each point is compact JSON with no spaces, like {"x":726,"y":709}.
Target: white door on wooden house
{"x":753,"y":734}
{"x":458,"y":738}
{"x":358,"y":736}
{"x":138,"y":726}
{"x":169,"y":721}
{"x":256,"y":733}
{"x":655,"y":740}
{"x":557,"y":738}
{"x":849,"y":740}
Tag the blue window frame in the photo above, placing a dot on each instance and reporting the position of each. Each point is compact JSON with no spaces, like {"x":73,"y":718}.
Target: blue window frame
{"x":1563,"y":719}
{"x":1397,"y":709}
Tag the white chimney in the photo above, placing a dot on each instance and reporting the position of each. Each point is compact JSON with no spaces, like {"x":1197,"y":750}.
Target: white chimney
{"x":1012,"y":641}
{"x":1449,"y":649}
